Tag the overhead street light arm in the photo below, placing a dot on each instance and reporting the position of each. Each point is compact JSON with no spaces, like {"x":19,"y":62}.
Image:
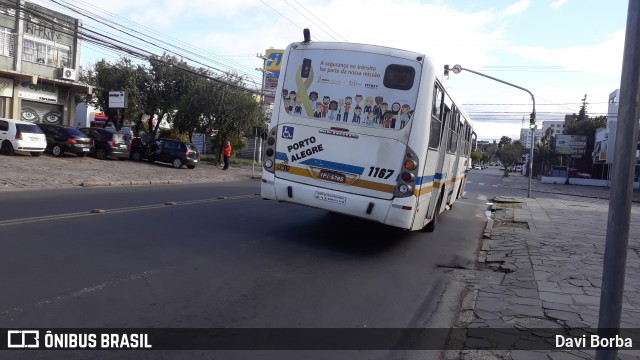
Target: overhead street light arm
{"x":532,"y":122}
{"x":457,"y":69}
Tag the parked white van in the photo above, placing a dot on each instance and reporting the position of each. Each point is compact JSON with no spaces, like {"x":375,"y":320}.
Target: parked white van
{"x":17,"y":135}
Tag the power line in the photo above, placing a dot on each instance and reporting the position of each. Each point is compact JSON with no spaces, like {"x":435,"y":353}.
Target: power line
{"x":317,"y":18}
{"x":129,"y":32}
{"x":112,"y":44}
{"x":303,"y":15}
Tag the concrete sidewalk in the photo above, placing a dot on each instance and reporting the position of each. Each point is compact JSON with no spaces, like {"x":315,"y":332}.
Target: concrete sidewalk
{"x":548,"y":255}
{"x":20,"y":172}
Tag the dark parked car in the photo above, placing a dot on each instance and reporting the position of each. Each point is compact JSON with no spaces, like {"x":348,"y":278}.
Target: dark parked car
{"x":175,"y":152}
{"x":62,"y":139}
{"x":107,"y":144}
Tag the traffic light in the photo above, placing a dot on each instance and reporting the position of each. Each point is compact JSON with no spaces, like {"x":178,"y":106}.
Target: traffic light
{"x":532,"y":121}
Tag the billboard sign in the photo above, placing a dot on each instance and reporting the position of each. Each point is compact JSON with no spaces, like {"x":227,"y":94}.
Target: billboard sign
{"x":571,"y":144}
{"x":274,"y":63}
{"x":117,"y":99}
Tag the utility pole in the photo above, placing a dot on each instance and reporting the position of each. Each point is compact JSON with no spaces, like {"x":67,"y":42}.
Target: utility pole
{"x":532,"y":121}
{"x":265,"y":61}
{"x":621,"y":190}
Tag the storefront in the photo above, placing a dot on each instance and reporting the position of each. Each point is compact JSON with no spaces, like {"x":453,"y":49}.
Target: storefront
{"x":40,"y":103}
{"x":6,"y":93}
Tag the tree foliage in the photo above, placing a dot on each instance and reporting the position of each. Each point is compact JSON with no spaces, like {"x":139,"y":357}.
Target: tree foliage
{"x":509,"y":153}
{"x":586,"y":127}
{"x":190,"y":99}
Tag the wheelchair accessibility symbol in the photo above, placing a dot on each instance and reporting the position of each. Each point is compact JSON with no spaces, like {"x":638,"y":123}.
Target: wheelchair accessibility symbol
{"x":287,"y":132}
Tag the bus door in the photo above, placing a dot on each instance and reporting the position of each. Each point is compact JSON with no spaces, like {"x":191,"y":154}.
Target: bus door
{"x":440,"y":170}
{"x":456,"y":179}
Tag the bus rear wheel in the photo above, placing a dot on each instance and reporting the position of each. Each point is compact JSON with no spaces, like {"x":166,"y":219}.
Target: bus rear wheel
{"x":431,"y":226}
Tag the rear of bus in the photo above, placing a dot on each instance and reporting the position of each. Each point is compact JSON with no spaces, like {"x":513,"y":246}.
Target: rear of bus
{"x":339,"y":131}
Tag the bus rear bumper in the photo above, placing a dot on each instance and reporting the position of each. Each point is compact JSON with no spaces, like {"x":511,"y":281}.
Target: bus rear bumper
{"x":396,"y":212}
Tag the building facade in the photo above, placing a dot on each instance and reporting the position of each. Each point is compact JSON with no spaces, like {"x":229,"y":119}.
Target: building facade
{"x":39,"y":57}
{"x":525,"y":137}
{"x":557,"y":127}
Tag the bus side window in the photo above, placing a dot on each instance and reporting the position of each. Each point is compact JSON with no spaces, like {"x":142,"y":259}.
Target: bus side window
{"x":436,"y":117}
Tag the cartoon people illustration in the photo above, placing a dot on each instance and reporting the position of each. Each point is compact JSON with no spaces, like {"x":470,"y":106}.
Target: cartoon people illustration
{"x":325,"y":105}
{"x":356,"y":115}
{"x":382,"y":109}
{"x":298,"y":108}
{"x":387,"y":118}
{"x":405,"y":115}
{"x":395,"y":110}
{"x":313,"y":96}
{"x":292,"y":101}
{"x":368,"y":105}
{"x":376,"y":108}
{"x":333,"y":109}
{"x":318,"y":112}
{"x":358,"y":99}
{"x":371,"y":118}
{"x":340,"y":109}
{"x":285,"y":99}
{"x":347,"y":107}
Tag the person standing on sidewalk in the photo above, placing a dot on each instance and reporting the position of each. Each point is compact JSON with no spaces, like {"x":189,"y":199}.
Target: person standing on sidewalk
{"x":226,"y":155}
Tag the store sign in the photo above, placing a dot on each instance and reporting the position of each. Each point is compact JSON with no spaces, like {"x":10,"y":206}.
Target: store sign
{"x":117,"y":99}
{"x":38,"y":92}
{"x":6,"y":87}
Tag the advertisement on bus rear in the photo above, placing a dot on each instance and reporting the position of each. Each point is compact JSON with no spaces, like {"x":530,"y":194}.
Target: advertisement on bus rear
{"x":355,"y":88}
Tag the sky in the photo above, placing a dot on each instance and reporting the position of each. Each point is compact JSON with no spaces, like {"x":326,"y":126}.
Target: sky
{"x":559,"y":50}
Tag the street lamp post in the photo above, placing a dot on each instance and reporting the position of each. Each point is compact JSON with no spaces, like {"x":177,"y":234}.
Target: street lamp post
{"x":265,"y":61}
{"x":532,"y":122}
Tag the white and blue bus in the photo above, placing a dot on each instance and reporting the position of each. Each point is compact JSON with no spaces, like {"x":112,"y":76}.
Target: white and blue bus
{"x":366,"y":131}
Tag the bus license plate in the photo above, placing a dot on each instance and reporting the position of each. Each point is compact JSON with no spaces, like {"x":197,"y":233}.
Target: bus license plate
{"x":332,"y":176}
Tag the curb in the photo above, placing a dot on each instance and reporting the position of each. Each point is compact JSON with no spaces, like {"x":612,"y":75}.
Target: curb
{"x":487,"y":230}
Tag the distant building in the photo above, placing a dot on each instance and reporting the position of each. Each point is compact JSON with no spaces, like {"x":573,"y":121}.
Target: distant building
{"x":605,"y":140}
{"x":557,"y":127}
{"x":482,"y":145}
{"x":39,"y":55}
{"x":569,"y":119}
{"x":525,"y":137}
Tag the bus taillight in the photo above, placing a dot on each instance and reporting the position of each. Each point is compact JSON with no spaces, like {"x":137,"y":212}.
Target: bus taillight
{"x":409,"y":172}
{"x":410,"y":164}
{"x":270,"y":151}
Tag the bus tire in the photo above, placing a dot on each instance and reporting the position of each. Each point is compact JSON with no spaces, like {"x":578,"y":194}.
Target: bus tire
{"x":431,"y":226}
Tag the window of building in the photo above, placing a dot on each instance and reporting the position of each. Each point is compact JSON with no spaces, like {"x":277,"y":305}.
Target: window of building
{"x":46,"y":52}
{"x":6,"y":42}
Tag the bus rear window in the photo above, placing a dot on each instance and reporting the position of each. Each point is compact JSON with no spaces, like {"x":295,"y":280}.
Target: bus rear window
{"x":399,"y":77}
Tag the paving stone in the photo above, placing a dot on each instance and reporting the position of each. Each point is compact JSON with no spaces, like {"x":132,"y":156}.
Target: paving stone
{"x":525,"y":301}
{"x":528,"y":355}
{"x":491,"y":305}
{"x":562,"y":315}
{"x":530,"y":293}
{"x":556,"y":298}
{"x":586,"y":299}
{"x":527,"y":310}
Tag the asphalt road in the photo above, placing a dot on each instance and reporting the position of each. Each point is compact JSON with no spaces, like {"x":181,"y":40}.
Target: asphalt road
{"x":218,"y":256}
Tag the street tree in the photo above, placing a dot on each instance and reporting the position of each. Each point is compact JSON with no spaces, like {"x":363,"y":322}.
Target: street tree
{"x":122,"y":75}
{"x":509,"y":153}
{"x":587,"y":128}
